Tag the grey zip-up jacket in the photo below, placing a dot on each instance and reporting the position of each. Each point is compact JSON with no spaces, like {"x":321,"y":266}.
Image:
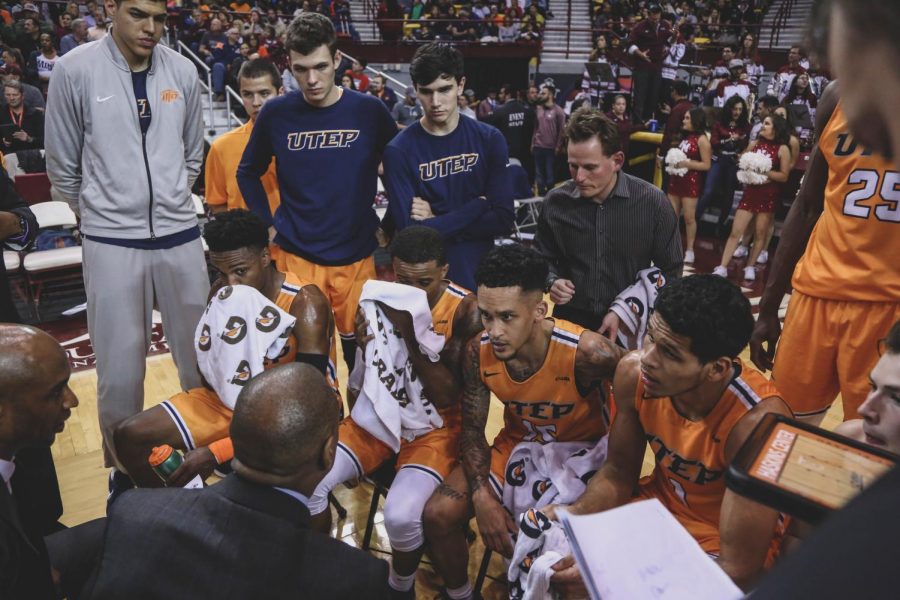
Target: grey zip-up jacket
{"x":124,"y":184}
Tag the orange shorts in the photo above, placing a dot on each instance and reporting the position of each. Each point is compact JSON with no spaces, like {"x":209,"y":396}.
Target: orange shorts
{"x":341,"y":285}
{"x":829,"y":346}
{"x":501,"y":450}
{"x":199,"y":415}
{"x":436,"y":452}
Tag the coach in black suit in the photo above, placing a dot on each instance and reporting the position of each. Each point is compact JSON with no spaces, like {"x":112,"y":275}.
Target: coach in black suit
{"x":35,"y":401}
{"x":248,"y":536}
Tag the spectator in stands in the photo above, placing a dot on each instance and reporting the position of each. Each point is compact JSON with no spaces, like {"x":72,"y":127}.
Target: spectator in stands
{"x":276,"y":22}
{"x":534,"y":17}
{"x":28,"y":40}
{"x":379,"y":89}
{"x":463,"y":28}
{"x":710,"y":26}
{"x":647,"y":47}
{"x":410,"y":110}
{"x":221,"y":59}
{"x":764,"y":107}
{"x":680,"y":106}
{"x":63,"y":25}
{"x":737,"y":84}
{"x":683,"y":38}
{"x":752,"y":62}
{"x":760,"y":200}
{"x":417,"y":10}
{"x":254,"y":23}
{"x":720,"y":68}
{"x":515,"y":120}
{"x":487,"y":104}
{"x":99,"y":30}
{"x":42,"y":61}
{"x":781,"y":83}
{"x":240,"y":6}
{"x":243,"y":56}
{"x":212,"y":45}
{"x":480,"y":10}
{"x":33,"y":96}
{"x":389,"y":17}
{"x":29,"y":121}
{"x":465,"y":104}
{"x":549,"y":133}
{"x":529,"y":34}
{"x":88,"y":13}
{"x":800,"y":94}
{"x":358,"y":72}
{"x":730,"y":136}
{"x":78,"y":36}
{"x":620,"y":116}
{"x":347,"y":82}
{"x":509,"y":31}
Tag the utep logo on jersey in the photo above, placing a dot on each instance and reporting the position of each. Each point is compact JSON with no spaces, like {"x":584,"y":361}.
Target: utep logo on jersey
{"x":235,"y":330}
{"x":268,"y":319}
{"x":322,"y":140}
{"x":689,"y":470}
{"x":846,"y":146}
{"x":449,"y":165}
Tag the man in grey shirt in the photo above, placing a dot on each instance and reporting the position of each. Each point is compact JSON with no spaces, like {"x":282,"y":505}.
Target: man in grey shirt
{"x":124,"y":145}
{"x":409,"y":111}
{"x":602,"y":227}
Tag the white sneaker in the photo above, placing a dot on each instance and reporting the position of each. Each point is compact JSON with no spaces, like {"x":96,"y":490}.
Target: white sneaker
{"x":741,"y":251}
{"x":720,"y":271}
{"x":763,"y":257}
{"x":750,"y":273}
{"x":688,"y":257}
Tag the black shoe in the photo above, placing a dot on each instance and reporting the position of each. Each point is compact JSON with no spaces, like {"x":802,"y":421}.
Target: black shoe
{"x":223,"y":470}
{"x":410,"y":594}
{"x":119,"y":483}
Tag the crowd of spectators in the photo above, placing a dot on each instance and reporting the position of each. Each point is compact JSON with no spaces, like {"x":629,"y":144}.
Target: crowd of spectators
{"x":496,"y":21}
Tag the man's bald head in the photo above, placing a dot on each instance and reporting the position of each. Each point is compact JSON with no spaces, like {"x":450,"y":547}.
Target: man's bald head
{"x":35,"y":399}
{"x":283,"y":420}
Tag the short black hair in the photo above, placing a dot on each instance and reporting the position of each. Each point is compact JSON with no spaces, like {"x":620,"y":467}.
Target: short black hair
{"x":435,"y":60}
{"x":731,"y":46}
{"x":769,"y":101}
{"x":309,"y":31}
{"x":681,"y":87}
{"x":419,"y":244}
{"x":711,"y":311}
{"x":892,"y":341}
{"x":587,"y":122}
{"x":260,"y":67}
{"x":235,"y":229}
{"x":513,"y":265}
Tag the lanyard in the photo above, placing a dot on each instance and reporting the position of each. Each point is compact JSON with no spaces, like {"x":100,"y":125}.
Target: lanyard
{"x":12,"y":115}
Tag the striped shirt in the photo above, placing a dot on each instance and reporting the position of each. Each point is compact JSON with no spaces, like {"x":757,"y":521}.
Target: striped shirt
{"x":601,"y":247}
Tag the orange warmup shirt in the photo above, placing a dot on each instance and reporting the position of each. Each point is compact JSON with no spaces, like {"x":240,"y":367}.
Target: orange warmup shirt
{"x":221,"y":165}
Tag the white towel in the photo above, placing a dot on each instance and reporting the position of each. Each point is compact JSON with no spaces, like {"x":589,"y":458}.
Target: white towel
{"x":540,"y":545}
{"x":635,"y":305}
{"x":391,"y":405}
{"x":238,"y":330}
{"x":556,"y":473}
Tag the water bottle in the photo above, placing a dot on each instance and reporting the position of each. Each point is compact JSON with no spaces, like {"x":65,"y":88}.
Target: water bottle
{"x":165,"y":460}
{"x":653,"y":125}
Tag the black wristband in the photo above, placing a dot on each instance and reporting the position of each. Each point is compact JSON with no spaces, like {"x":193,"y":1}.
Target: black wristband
{"x":319,"y":361}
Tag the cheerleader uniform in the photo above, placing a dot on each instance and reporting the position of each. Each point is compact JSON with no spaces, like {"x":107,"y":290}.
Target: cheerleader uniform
{"x":689,"y":185}
{"x":763,"y":198}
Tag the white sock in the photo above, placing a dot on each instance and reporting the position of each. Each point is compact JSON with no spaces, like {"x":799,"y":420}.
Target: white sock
{"x":460,"y":593}
{"x":401,"y":583}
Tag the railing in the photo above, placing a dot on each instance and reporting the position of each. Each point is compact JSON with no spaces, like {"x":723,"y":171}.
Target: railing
{"x":778,"y":24}
{"x":209,"y":88}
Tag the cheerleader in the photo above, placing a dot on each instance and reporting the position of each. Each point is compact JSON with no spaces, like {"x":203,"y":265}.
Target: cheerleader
{"x":685,"y":189}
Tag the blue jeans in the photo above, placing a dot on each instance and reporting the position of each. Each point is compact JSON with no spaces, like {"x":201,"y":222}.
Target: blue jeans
{"x":544,"y":159}
{"x":219,"y":71}
{"x":719,"y":187}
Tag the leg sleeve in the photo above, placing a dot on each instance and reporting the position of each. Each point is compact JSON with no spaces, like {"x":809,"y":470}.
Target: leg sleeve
{"x":344,"y":469}
{"x":403,"y":508}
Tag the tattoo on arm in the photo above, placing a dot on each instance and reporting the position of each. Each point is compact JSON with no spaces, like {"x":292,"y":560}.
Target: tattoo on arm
{"x":476,"y":401}
{"x":449,"y":492}
{"x":597,"y":360}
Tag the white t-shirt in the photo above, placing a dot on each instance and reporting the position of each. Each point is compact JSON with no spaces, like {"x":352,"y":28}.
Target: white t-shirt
{"x":45,"y":66}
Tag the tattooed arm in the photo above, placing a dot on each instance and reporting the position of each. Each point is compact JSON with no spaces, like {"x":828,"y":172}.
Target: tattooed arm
{"x":494,"y":523}
{"x":596,"y":359}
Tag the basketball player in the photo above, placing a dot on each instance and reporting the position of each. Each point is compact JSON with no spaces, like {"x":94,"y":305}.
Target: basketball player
{"x":327,"y":143}
{"x":880,"y":422}
{"x":196,"y":420}
{"x":259,"y":82}
{"x":846,"y":279}
{"x":419,"y":260}
{"x":449,"y":173}
{"x":547,"y":374}
{"x":688,"y":395}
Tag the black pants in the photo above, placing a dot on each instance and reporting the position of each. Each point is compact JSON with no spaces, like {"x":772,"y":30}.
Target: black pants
{"x":645,"y":93}
{"x":579,"y":316}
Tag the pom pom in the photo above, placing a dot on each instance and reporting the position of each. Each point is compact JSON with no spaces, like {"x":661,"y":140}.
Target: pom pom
{"x":753,"y":168}
{"x":673,"y":157}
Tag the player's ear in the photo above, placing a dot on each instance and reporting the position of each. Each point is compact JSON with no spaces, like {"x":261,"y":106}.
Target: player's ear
{"x":265,"y":257}
{"x":719,"y":368}
{"x":444,"y":271}
{"x":541,"y":310}
{"x":337,"y":58}
{"x":462,"y":85}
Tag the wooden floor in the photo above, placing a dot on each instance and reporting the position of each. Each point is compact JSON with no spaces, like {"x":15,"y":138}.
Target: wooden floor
{"x":83,"y":479}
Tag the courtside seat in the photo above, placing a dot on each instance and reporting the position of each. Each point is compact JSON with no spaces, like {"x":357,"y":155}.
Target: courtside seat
{"x":57,"y":265}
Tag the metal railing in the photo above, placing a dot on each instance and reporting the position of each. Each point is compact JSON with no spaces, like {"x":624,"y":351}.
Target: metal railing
{"x":182,"y":47}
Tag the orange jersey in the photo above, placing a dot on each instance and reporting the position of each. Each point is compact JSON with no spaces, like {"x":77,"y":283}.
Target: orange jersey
{"x":444,"y":311}
{"x":852,"y":253}
{"x":221,"y":165}
{"x":289,"y":290}
{"x":689,"y":477}
{"x":548,"y":406}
